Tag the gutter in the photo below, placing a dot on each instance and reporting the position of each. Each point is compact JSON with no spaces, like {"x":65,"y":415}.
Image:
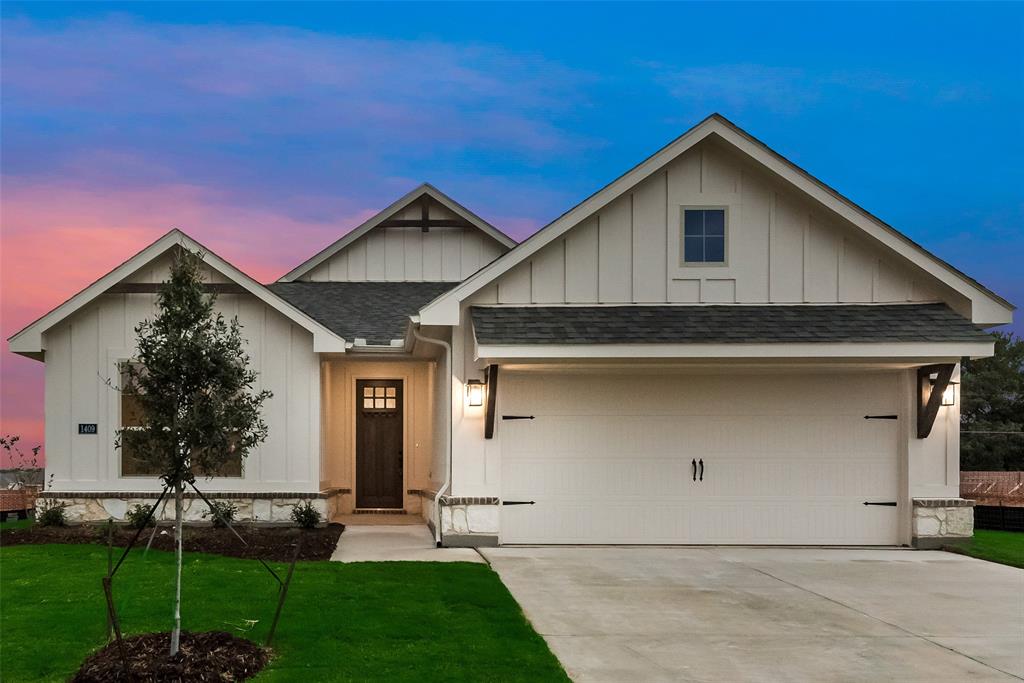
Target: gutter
{"x":448,"y":432}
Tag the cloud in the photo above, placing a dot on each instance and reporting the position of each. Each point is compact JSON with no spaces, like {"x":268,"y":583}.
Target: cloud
{"x":789,"y":90}
{"x":736,"y":87}
{"x":259,"y":80}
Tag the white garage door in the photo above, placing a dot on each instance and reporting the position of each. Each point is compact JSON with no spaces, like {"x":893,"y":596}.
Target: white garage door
{"x":669,"y":458}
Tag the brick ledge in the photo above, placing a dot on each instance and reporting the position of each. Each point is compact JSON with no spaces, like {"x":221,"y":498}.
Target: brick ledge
{"x":943,"y":503}
{"x":256,"y":495}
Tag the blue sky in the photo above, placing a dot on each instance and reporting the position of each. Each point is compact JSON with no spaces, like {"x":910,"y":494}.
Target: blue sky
{"x":267,"y":130}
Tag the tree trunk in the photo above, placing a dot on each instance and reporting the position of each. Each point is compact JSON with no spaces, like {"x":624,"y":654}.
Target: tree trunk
{"x":179,"y":494}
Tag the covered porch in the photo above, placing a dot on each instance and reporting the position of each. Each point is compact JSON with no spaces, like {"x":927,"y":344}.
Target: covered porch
{"x":381,"y":444}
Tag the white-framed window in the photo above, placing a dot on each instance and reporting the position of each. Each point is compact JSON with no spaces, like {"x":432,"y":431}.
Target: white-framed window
{"x":132,"y":418}
{"x":704,"y":232}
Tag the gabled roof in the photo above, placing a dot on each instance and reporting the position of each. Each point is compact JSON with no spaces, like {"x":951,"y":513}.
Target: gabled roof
{"x":445,"y":309}
{"x":29,"y":341}
{"x":722,"y":324}
{"x":377,"y":312}
{"x":426,"y":189}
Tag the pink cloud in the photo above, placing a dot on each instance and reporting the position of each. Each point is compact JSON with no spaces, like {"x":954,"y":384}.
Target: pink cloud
{"x":58,"y":238}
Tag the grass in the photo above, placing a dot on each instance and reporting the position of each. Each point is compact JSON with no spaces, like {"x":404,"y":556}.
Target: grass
{"x":14,"y":523}
{"x":342,"y":622}
{"x":1004,"y":547}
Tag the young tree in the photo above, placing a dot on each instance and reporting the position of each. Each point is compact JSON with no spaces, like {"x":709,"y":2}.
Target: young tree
{"x":195,"y":393}
{"x":992,"y":408}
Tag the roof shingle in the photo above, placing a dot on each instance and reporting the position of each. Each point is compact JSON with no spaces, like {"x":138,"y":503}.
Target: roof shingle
{"x":375,"y":311}
{"x":741,"y":324}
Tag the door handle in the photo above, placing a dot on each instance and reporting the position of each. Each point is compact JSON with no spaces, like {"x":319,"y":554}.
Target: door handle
{"x":694,"y":463}
{"x":702,"y":469}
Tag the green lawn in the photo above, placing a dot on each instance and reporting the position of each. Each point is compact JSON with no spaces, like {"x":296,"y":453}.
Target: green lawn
{"x":14,"y":523}
{"x":370,"y":621}
{"x":1004,"y":547}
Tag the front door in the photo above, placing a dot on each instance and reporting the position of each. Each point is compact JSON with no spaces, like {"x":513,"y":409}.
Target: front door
{"x":379,"y":443}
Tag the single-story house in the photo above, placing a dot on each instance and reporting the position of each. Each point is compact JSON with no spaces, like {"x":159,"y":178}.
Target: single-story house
{"x":714,"y":348}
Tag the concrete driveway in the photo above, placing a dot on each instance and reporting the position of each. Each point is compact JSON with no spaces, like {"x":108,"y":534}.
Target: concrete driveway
{"x":763,"y":614}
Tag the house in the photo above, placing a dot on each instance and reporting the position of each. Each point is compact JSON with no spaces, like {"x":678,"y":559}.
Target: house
{"x":715,"y":348}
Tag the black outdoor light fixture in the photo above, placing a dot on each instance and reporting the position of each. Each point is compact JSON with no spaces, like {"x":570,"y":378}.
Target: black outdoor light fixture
{"x":475,"y":392}
{"x":949,"y":393}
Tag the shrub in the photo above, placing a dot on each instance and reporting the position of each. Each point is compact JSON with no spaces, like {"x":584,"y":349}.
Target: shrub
{"x":305,"y":515}
{"x":51,"y":513}
{"x":221,"y":513}
{"x":137,"y":517}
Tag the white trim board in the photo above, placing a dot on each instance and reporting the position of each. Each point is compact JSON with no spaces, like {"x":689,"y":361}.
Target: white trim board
{"x":987,"y":308}
{"x":29,"y":340}
{"x":889,"y":351}
{"x":393,"y":208}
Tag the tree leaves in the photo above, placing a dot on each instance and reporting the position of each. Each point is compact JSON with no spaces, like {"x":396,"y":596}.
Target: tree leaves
{"x":195,"y":388}
{"x":992,"y":400}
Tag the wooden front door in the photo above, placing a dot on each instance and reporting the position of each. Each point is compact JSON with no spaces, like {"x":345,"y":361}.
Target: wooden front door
{"x":379,"y":443}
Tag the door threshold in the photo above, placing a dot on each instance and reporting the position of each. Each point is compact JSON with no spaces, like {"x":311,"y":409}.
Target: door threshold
{"x":379,"y":511}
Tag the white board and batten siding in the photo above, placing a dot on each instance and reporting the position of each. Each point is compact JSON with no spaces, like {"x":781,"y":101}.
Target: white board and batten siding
{"x":408,"y":254}
{"x":786,"y":458}
{"x":85,"y":350}
{"x":781,"y":248}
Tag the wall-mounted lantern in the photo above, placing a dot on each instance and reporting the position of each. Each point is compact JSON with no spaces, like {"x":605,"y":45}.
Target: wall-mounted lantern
{"x":475,"y":392}
{"x":949,"y":394}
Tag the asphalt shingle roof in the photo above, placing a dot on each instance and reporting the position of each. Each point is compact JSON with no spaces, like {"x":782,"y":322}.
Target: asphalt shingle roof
{"x":681,"y":324}
{"x":375,"y":311}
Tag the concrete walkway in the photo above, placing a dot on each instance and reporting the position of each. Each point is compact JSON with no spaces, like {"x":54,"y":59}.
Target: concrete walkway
{"x":770,"y":614}
{"x":401,"y":543}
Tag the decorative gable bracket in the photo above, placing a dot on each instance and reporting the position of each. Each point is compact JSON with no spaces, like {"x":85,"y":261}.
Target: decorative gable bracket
{"x":929,"y":394}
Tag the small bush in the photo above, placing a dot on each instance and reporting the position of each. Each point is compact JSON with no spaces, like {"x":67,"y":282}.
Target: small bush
{"x":137,"y":517}
{"x":51,"y":513}
{"x":305,"y":515}
{"x":221,"y":513}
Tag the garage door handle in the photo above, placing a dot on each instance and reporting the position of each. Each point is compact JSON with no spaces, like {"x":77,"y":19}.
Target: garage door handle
{"x":518,"y":502}
{"x":702,"y":469}
{"x":517,"y":417}
{"x":694,"y":463}
{"x":888,"y":503}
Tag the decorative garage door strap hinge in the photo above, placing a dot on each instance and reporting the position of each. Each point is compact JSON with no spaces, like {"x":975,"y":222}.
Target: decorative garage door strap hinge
{"x":889,"y":503}
{"x":518,"y":502}
{"x":881,"y":417}
{"x":517,"y":417}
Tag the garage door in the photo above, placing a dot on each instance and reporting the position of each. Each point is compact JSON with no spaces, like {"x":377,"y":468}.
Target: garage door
{"x":668,"y":458}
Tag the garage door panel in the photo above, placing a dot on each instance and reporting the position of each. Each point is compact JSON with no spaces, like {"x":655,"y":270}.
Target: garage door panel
{"x":786,"y":459}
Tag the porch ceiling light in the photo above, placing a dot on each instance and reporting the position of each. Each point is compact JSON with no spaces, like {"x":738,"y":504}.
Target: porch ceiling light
{"x":475,"y":392}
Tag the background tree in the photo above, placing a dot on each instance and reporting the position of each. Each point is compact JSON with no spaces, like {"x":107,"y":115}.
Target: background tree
{"x":992,"y":400}
{"x":195,"y":393}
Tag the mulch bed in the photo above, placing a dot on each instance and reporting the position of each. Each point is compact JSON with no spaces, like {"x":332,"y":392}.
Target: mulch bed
{"x":209,"y":656}
{"x":265,"y":543}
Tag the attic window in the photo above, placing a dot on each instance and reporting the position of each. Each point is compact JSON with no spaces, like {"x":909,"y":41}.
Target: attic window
{"x":704,"y":236}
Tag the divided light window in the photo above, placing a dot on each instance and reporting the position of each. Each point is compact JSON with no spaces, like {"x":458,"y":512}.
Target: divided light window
{"x":704,"y":236}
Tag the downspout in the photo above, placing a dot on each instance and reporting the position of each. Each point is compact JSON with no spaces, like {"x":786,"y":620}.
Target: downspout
{"x":448,"y":435}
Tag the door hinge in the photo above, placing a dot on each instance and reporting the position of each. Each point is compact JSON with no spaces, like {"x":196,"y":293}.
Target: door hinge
{"x":881,"y":417}
{"x":889,"y":503}
{"x":518,"y":502}
{"x":517,"y":417}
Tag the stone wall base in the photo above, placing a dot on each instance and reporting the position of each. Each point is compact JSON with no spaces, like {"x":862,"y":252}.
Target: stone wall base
{"x":466,"y":522}
{"x":942,"y":521}
{"x":263,"y":508}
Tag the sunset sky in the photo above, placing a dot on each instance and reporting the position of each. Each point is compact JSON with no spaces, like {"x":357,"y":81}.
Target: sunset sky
{"x":267,"y":131}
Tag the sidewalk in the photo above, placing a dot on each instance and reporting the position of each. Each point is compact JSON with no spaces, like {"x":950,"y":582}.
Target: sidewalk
{"x":396,"y":544}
